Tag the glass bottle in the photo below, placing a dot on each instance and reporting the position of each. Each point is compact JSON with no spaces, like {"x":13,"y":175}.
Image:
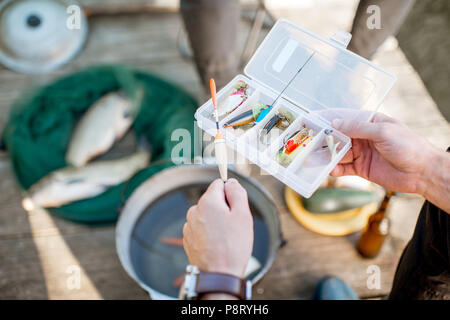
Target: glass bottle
{"x":376,"y":230}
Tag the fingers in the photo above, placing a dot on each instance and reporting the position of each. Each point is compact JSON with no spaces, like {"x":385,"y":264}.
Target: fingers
{"x":344,"y":113}
{"x":214,"y":195}
{"x":190,"y":213}
{"x":381,"y":117}
{"x":348,"y":158}
{"x":236,"y":195}
{"x":343,"y":170}
{"x":186,"y":234}
{"x":358,"y":129}
{"x":216,"y":187}
{"x":378,"y":129}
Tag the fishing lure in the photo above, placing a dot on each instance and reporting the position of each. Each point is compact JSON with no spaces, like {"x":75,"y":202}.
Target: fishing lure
{"x":281,"y":120}
{"x":330,"y":142}
{"x":234,"y":100}
{"x":256,"y":114}
{"x":293,"y":145}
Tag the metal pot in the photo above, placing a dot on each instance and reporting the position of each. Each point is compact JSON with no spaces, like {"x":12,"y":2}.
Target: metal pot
{"x":140,"y":209}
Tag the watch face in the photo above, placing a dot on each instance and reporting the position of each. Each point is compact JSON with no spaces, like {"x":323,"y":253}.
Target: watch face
{"x":189,"y":284}
{"x":156,"y":248}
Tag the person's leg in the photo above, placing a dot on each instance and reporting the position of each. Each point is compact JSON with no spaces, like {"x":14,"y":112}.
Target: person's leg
{"x":424,"y":268}
{"x":365,"y":41}
{"x":212,"y":29}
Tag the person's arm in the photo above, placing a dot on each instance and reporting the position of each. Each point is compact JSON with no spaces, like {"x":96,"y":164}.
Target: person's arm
{"x":435,"y":184}
{"x":388,"y":153}
{"x":218,"y":234}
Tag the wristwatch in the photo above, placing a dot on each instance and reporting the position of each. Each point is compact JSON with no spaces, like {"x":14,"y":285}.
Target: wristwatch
{"x":197,"y":283}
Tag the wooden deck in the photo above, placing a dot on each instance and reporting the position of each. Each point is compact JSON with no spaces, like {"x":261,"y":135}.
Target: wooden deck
{"x":37,"y":250}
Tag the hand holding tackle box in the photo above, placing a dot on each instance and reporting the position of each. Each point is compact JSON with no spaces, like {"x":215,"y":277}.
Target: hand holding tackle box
{"x":278,"y":115}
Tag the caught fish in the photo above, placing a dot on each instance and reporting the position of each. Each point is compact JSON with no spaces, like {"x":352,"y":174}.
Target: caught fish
{"x":236,"y":98}
{"x":294,"y":145}
{"x":282,"y":120}
{"x":177,"y":242}
{"x":249,"y":117}
{"x":104,"y":123}
{"x":70,"y":184}
{"x":178,"y":281}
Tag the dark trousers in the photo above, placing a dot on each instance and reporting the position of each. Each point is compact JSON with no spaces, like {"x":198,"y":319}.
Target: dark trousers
{"x":365,"y":41}
{"x":213,"y":25}
{"x":424,"y":268}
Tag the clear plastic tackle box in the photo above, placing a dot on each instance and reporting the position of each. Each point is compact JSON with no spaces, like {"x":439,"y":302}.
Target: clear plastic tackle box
{"x":315,"y":80}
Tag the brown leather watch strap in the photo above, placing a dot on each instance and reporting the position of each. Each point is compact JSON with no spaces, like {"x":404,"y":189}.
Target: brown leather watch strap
{"x":209,"y":282}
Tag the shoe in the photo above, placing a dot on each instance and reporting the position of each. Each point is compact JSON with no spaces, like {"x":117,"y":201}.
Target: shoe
{"x":333,"y":288}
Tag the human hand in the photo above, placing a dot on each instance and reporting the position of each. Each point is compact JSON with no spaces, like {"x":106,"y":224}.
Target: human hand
{"x":386,"y":152}
{"x":218,"y":237}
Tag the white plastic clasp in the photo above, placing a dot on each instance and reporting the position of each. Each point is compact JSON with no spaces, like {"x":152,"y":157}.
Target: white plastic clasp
{"x":342,"y":38}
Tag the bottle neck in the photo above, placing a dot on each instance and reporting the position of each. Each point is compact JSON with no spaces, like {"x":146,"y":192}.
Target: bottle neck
{"x":384,"y":204}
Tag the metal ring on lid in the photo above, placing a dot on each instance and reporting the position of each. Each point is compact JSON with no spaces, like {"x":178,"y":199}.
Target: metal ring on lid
{"x":38,"y":36}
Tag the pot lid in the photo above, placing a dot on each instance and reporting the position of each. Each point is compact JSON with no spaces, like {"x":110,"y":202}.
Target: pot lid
{"x":37,"y":36}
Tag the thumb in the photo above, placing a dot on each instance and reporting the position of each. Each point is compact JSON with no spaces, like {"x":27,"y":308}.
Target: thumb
{"x":236,"y":195}
{"x":214,"y":194}
{"x":358,"y":129}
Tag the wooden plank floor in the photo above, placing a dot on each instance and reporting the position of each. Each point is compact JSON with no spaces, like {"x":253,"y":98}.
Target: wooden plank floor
{"x":38,"y":250}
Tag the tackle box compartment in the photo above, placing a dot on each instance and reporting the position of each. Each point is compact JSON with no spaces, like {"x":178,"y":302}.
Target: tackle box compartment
{"x":320,"y":80}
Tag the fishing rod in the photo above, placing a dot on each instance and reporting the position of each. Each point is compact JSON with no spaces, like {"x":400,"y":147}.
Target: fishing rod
{"x":292,"y":79}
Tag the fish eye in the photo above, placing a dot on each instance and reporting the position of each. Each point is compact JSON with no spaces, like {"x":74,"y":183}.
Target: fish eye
{"x":126,"y":114}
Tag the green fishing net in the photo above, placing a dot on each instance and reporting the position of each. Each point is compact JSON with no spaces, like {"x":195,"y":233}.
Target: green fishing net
{"x":40,"y":126}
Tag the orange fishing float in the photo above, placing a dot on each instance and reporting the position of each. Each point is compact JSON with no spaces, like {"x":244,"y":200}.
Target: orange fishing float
{"x":219,"y":141}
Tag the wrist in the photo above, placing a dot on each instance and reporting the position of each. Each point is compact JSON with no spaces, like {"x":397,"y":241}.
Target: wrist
{"x":432,"y":170}
{"x":434,"y":182}
{"x":228,"y":266}
{"x":218,"y":296}
{"x":203,"y":285}
{"x":225,"y":269}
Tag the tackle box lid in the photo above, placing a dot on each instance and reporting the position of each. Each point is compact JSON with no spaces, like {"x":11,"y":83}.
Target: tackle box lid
{"x":318,"y":74}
